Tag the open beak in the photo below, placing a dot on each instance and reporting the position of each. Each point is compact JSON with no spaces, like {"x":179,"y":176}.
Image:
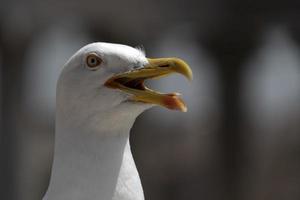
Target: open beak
{"x":132,"y":82}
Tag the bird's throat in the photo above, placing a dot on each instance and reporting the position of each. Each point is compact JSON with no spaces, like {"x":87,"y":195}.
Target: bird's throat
{"x":93,"y":164}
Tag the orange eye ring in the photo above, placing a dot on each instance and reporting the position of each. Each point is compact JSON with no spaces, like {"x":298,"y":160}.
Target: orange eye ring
{"x":93,"y":61}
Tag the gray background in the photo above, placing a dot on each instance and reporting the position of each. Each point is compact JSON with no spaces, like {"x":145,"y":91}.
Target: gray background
{"x":240,"y":139}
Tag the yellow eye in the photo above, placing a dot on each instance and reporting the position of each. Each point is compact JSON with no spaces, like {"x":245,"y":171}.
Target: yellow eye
{"x":93,"y":61}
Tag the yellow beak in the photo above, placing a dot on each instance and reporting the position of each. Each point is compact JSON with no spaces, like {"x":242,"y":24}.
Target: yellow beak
{"x":132,"y":82}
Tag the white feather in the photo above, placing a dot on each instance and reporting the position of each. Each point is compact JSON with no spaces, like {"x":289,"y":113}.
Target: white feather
{"x":92,"y":158}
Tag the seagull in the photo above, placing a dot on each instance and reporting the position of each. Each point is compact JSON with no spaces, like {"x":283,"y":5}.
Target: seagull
{"x":99,"y":94}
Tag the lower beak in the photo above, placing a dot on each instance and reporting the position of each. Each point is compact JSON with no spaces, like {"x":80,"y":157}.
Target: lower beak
{"x":132,"y":82}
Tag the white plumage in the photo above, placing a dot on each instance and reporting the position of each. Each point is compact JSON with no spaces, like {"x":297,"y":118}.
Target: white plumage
{"x":92,"y":158}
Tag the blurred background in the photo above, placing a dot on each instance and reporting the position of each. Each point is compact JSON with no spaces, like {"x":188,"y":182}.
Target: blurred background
{"x":239,"y":140}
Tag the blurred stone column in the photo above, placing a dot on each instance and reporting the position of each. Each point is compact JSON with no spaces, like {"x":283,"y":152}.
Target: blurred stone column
{"x":13,"y":55}
{"x":15,"y":36}
{"x":231,"y":45}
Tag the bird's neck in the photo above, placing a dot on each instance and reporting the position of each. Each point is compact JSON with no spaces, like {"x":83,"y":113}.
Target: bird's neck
{"x":90,"y":159}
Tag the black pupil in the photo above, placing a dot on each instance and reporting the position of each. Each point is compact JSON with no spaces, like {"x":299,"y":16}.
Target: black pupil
{"x":93,"y":60}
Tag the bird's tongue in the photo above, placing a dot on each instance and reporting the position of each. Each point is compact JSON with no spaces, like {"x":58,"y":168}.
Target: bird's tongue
{"x":171,"y":101}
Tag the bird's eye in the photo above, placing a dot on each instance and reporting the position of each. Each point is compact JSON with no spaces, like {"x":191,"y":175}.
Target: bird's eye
{"x":93,"y":61}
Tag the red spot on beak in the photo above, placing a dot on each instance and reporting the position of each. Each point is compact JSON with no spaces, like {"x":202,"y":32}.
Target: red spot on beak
{"x":173,"y":102}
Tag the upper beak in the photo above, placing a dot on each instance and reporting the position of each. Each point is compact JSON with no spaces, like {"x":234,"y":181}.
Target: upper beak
{"x":133,"y":82}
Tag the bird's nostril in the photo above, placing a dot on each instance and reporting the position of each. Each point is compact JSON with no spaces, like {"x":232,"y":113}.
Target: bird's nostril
{"x":166,"y":65}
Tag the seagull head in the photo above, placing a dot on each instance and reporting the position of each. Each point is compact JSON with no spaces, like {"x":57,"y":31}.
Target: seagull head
{"x":105,"y":76}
